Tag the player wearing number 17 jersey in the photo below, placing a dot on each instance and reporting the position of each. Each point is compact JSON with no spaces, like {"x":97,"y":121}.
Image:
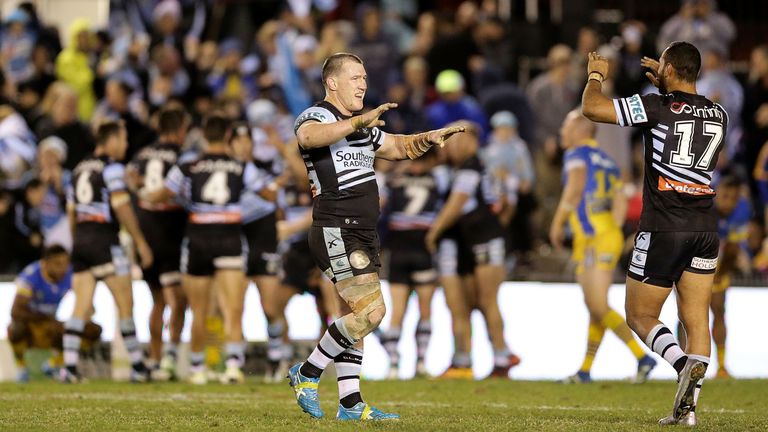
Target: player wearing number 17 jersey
{"x":677,"y":243}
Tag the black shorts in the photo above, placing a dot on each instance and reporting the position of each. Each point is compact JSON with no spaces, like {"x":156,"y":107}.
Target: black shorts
{"x":261,"y":235}
{"x":343,"y":253}
{"x":207,"y":248}
{"x":299,"y":269}
{"x":457,"y":256}
{"x":164,"y":232}
{"x":660,"y":258}
{"x":96,"y":248}
{"x":410,"y":263}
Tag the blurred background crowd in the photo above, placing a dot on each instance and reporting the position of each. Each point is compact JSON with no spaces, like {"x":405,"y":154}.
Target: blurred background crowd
{"x":515,"y":67}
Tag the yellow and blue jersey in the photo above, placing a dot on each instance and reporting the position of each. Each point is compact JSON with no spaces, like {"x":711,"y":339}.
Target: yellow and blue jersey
{"x":44,"y":296}
{"x":733,"y":227}
{"x":593,"y":214}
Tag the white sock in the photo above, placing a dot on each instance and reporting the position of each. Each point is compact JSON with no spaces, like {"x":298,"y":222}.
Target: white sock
{"x":663,"y":342}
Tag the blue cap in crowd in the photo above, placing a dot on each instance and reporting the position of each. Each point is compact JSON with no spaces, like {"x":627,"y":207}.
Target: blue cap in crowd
{"x":17,"y":16}
{"x":504,"y":118}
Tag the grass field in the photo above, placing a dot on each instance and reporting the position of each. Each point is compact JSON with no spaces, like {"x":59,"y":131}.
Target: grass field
{"x":424,"y":405}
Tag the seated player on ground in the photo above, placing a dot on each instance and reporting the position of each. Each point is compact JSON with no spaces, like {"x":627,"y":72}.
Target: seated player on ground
{"x":595,"y":206}
{"x":39,"y":290}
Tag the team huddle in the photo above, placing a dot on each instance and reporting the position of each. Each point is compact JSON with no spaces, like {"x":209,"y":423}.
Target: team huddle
{"x":204,"y":225}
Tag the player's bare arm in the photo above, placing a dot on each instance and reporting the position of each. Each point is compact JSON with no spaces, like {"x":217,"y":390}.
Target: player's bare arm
{"x":574,"y":188}
{"x":313,"y":134}
{"x":20,"y":310}
{"x":446,"y":218}
{"x":400,"y":147}
{"x":594,"y":104}
{"x":121,"y":204}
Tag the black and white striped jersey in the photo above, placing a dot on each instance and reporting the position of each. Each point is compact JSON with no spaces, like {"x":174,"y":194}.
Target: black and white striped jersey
{"x":94,"y":180}
{"x":341,"y":175}
{"x":683,"y":135}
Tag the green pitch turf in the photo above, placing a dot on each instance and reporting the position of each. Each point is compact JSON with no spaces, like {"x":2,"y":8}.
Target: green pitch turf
{"x":424,"y":405}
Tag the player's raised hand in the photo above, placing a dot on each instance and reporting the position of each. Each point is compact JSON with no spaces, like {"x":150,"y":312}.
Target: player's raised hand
{"x":438,"y":137}
{"x":653,"y":65}
{"x":371,"y":118}
{"x":597,"y":63}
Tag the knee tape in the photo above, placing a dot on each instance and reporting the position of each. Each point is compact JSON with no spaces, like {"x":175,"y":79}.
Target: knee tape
{"x":367,"y":306}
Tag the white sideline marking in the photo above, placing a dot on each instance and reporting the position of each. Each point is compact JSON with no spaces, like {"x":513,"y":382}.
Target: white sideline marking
{"x":239,"y":399}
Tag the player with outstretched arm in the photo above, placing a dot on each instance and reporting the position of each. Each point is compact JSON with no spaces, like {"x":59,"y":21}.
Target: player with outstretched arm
{"x":339,"y":147}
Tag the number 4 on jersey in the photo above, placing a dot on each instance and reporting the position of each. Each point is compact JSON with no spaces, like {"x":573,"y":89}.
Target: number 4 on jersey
{"x":216,"y":190}
{"x":683,"y":156}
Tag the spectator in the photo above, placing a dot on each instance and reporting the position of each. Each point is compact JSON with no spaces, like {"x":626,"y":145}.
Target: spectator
{"x":28,"y":234}
{"x":700,"y":23}
{"x":309,"y":70}
{"x":454,"y":104}
{"x":587,"y":41}
{"x":227,"y":80}
{"x":508,"y":156}
{"x":552,"y":95}
{"x":719,"y":85}
{"x":376,"y":50}
{"x":755,"y":113}
{"x":51,"y":154}
{"x":426,"y":32}
{"x":73,"y":68}
{"x":203,"y":65}
{"x":59,"y":109}
{"x":47,"y":36}
{"x":17,"y":148}
{"x":452,"y":50}
{"x":500,"y":95}
{"x":634,"y":45}
{"x":167,"y":78}
{"x":412,"y":95}
{"x":16,"y":45}
{"x":42,"y":71}
{"x":117,"y":105}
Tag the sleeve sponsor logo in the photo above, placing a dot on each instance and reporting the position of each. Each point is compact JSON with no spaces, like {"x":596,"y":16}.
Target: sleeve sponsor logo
{"x":636,"y":109}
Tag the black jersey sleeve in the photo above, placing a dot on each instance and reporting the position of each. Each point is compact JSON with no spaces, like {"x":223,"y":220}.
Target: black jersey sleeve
{"x":639,"y":111}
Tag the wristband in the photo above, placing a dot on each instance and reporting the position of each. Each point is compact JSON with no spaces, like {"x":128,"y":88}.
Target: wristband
{"x":597,"y":76}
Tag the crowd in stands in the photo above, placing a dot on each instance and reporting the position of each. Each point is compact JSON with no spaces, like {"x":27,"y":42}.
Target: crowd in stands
{"x":439,"y":66}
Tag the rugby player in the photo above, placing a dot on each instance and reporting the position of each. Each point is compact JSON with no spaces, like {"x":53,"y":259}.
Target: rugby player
{"x":98,"y":202}
{"x":163,"y":224}
{"x":39,"y":290}
{"x":213,"y":247}
{"x":412,"y":200}
{"x":478,"y":243}
{"x":594,"y":205}
{"x":677,"y":243}
{"x":339,"y":147}
{"x":259,"y":215}
{"x":734,"y":212}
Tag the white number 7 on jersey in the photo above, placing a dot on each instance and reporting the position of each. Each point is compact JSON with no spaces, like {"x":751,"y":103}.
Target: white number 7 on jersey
{"x":683,"y":156}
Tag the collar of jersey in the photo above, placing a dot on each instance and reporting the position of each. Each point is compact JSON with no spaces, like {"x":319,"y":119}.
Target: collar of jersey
{"x":588,"y":143}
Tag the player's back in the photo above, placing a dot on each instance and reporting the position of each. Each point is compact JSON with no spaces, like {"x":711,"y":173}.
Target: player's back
{"x":594,"y":212}
{"x":412,"y":204}
{"x":153,"y":164}
{"x":213,"y":185}
{"x":683,"y":134}
{"x":93,"y":180}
